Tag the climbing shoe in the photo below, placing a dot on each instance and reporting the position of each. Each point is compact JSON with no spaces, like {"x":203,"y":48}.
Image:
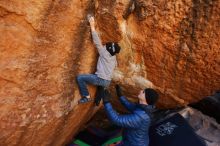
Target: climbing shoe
{"x":84,"y":100}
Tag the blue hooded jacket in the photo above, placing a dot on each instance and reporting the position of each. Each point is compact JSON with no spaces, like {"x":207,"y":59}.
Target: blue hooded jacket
{"x":136,"y":124}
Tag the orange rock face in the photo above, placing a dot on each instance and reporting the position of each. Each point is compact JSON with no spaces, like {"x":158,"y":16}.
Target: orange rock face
{"x":45,"y":44}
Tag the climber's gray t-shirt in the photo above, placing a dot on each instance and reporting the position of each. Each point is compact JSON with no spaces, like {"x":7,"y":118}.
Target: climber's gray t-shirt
{"x":106,"y":62}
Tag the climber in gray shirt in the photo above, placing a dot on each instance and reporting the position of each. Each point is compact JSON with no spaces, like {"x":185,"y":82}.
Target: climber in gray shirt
{"x":105,"y":66}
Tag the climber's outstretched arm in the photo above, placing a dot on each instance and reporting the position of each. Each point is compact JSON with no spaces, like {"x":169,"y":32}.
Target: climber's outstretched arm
{"x":95,"y":36}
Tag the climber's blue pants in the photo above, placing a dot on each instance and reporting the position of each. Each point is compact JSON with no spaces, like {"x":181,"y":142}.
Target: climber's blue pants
{"x":93,"y":79}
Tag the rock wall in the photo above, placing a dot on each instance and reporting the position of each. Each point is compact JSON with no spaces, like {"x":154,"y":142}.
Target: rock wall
{"x":172,"y":46}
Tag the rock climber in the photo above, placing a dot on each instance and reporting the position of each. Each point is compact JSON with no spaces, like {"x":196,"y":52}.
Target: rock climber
{"x":105,"y":66}
{"x":136,"y":124}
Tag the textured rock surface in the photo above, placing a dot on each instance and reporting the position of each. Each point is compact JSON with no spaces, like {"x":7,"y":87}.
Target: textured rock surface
{"x":44,"y":44}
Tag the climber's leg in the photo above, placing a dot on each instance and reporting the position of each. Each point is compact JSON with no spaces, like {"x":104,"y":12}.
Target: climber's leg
{"x":102,"y":85}
{"x":99,"y":94}
{"x":85,"y":79}
{"x":82,"y":80}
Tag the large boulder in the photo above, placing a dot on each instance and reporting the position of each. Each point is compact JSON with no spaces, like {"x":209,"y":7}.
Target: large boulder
{"x":172,"y":46}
